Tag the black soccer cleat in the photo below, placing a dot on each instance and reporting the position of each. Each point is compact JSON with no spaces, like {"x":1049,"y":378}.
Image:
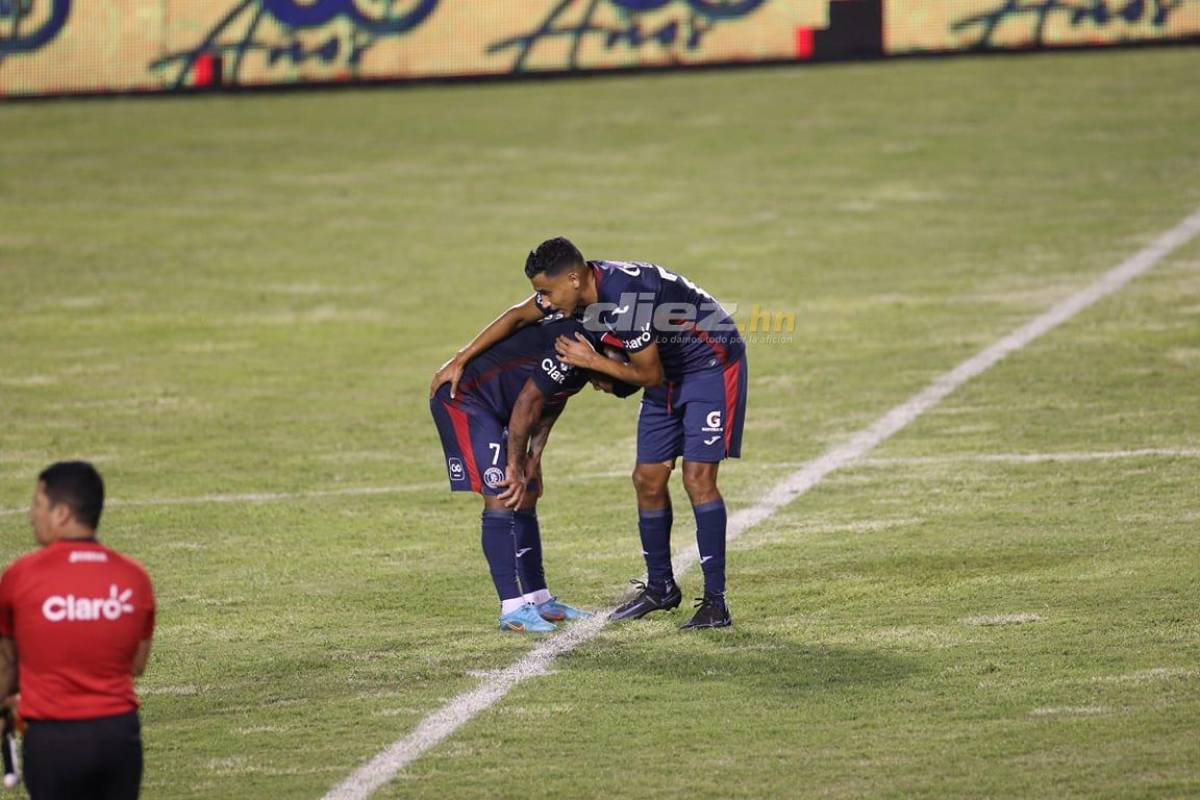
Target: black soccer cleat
{"x":711,"y":612}
{"x":648,"y":600}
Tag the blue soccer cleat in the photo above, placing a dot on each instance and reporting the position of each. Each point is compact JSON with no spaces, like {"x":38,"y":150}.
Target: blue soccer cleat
{"x":556,"y":612}
{"x":526,"y":620}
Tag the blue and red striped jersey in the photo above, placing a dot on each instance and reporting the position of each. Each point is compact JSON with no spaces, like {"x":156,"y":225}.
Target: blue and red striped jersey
{"x":495,"y":378}
{"x":640,"y":303}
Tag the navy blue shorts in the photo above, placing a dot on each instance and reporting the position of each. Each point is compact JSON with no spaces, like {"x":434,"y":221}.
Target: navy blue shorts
{"x":474,"y":442}
{"x":699,"y":417}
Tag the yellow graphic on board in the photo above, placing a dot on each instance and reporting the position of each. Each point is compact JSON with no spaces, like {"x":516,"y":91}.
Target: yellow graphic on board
{"x":922,"y":25}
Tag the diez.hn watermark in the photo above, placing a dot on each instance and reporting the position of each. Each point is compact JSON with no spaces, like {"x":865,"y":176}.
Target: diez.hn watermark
{"x":636,"y":316}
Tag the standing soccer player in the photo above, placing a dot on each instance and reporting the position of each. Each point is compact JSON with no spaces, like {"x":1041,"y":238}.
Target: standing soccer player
{"x":686,"y":350}
{"x":76,"y":619}
{"x":472,"y":414}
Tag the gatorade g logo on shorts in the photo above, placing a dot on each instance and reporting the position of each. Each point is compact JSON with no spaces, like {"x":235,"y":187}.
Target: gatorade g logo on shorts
{"x":57,"y":608}
{"x":712,"y":423}
{"x":457,"y":472}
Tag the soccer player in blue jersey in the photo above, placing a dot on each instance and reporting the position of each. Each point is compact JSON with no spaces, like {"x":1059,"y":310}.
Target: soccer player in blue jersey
{"x":472,"y":417}
{"x":686,"y":351}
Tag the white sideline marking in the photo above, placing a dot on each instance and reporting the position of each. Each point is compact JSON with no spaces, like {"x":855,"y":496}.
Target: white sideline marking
{"x":254,"y":497}
{"x":1033,"y":458}
{"x":1003,"y":619}
{"x":1070,"y":711}
{"x":459,"y":710}
{"x":275,"y":497}
{"x":583,"y":477}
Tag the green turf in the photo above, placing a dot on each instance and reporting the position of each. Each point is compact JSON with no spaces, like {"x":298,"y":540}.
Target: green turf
{"x":248,"y":295}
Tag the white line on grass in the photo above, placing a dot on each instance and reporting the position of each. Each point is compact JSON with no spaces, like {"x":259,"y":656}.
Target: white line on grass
{"x":460,"y":709}
{"x":585,"y":477}
{"x":275,"y":497}
{"x":1034,"y":458}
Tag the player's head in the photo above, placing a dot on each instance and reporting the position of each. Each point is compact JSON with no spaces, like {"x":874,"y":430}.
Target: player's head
{"x":559,"y":274}
{"x":67,"y":502}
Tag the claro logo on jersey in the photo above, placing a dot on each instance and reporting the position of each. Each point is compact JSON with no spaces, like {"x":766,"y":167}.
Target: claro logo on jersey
{"x":87,"y":609}
{"x":641,"y":339}
{"x":551,"y":368}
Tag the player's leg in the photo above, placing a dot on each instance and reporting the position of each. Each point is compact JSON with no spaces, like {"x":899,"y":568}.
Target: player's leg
{"x":651,"y":482}
{"x":121,"y":741}
{"x":474,"y":445}
{"x":708,"y":507}
{"x":453,"y":422}
{"x":659,"y":442}
{"x":529,"y":545}
{"x":712,"y":432}
{"x":529,"y":559}
{"x":498,"y":540}
{"x":60,"y":759}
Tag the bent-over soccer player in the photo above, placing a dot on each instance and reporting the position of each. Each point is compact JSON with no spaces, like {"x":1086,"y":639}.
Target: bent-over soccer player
{"x":686,"y":350}
{"x":472,"y":415}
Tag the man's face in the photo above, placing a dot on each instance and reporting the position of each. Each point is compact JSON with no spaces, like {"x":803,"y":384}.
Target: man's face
{"x":42,"y":515}
{"x":563,"y":292}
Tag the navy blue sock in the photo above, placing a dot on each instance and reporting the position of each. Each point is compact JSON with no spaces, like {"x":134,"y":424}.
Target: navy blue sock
{"x":529,"y":550}
{"x":654,"y":525}
{"x":500,"y":552}
{"x":710,"y":539}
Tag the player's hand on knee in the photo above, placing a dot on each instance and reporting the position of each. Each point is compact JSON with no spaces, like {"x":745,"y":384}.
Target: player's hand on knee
{"x":514,"y":489}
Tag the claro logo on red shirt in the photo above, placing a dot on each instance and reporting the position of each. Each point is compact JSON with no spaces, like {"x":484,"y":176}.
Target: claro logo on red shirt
{"x":57,"y":608}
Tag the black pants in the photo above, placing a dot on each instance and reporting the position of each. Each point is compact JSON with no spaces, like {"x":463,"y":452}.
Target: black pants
{"x":85,"y":759}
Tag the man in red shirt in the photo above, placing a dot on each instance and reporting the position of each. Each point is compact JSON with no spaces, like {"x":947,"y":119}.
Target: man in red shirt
{"x":75,"y":620}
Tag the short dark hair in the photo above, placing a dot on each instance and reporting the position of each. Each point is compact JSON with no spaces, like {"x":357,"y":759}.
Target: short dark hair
{"x":552,"y":257}
{"x":79,"y":486}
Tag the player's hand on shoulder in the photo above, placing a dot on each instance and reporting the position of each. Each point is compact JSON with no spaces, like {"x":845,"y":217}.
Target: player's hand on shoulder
{"x":577,"y":351}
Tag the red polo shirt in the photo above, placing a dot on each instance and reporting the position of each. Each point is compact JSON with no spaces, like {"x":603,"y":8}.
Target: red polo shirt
{"x":76,"y":611}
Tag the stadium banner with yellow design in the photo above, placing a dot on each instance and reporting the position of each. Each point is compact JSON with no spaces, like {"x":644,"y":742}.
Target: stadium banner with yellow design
{"x":915,"y":26}
{"x":86,"y":46}
{"x":55,"y":46}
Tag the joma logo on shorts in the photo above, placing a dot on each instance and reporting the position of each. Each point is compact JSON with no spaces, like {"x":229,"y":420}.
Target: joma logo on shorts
{"x":57,"y":608}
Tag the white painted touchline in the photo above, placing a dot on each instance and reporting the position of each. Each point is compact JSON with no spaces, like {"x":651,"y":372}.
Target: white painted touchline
{"x":460,"y":709}
{"x":584,"y":477}
{"x":253,"y":497}
{"x":275,"y":497}
{"x":1032,"y":458}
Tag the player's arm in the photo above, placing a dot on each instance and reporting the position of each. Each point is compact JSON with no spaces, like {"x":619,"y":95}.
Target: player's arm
{"x":644,"y":367}
{"x":8,"y":646}
{"x":525,"y":417}
{"x":8,"y":667}
{"x":503,"y":326}
{"x":541,"y":435}
{"x":141,"y":657}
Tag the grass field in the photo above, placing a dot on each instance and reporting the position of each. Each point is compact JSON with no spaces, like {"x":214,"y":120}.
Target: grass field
{"x":217,"y":299}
